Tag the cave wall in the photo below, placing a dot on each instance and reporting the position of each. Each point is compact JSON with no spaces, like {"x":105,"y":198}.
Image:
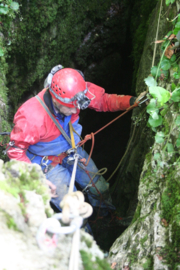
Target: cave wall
{"x":141,"y":137}
{"x":152,"y":239}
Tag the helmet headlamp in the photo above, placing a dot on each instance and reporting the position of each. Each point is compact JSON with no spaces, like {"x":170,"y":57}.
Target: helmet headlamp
{"x":68,"y":87}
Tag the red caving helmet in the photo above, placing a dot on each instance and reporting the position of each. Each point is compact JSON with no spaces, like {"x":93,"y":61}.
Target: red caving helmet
{"x":69,"y":88}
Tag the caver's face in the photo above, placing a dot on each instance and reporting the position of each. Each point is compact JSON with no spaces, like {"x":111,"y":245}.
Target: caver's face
{"x":63,"y":109}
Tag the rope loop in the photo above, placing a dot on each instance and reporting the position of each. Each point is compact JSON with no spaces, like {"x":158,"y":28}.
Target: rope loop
{"x":73,"y":204}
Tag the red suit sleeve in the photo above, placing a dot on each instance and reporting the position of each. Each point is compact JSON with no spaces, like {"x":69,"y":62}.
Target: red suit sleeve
{"x":102,"y":102}
{"x":24,"y":133}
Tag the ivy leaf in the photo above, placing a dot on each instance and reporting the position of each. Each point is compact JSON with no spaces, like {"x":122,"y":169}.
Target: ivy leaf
{"x":1,"y":51}
{"x":177,"y":25}
{"x":159,"y":138}
{"x":154,"y":70}
{"x":3,"y":9}
{"x":160,"y":94}
{"x":176,"y":75}
{"x":150,"y":81}
{"x":169,"y":2}
{"x":155,"y":115}
{"x":14,"y":6}
{"x":176,"y":95}
{"x":165,"y":64}
{"x":173,"y":58}
{"x":177,"y":121}
{"x":152,"y":106}
{"x":170,"y":148}
{"x":175,"y":31}
{"x":155,"y":122}
{"x":173,"y":86}
{"x":157,"y":156}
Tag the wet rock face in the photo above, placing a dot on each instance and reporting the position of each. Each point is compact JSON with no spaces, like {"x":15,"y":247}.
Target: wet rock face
{"x":152,"y":239}
{"x":24,"y":205}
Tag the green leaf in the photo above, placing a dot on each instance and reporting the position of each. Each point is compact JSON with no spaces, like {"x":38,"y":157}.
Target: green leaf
{"x":169,"y":2}
{"x":150,"y":81}
{"x":177,"y":25}
{"x":152,"y":106}
{"x":173,"y":58}
{"x":177,"y":121}
{"x":175,"y":31}
{"x":170,"y":148}
{"x":14,"y":6}
{"x":155,"y":115}
{"x":176,"y":75}
{"x":155,"y":122}
{"x":176,"y":95}
{"x":165,"y":64}
{"x":173,"y":86}
{"x":159,"y":138}
{"x":157,"y":156}
{"x":160,"y":94}
{"x":1,"y":51}
{"x":154,"y":70}
{"x":169,"y":33}
{"x":3,"y":10}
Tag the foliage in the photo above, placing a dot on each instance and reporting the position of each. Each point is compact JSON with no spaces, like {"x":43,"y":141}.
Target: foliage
{"x":46,"y":34}
{"x":17,"y":182}
{"x":89,"y":264}
{"x":160,"y":97}
{"x":164,"y":120}
{"x":8,"y":10}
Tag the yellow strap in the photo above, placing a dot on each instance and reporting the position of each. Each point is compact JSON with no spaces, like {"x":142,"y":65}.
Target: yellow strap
{"x":72,"y":135}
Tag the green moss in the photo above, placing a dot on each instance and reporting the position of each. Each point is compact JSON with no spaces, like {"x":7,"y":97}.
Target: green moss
{"x":10,"y":222}
{"x":170,"y":196}
{"x":88,"y":264}
{"x":87,"y":241}
{"x":148,"y":265}
{"x":9,"y":189}
{"x":137,"y":213}
{"x":143,"y":240}
{"x":170,"y":203}
{"x":133,"y":255}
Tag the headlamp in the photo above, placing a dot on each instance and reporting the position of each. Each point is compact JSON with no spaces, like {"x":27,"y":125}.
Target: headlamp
{"x":82,"y":101}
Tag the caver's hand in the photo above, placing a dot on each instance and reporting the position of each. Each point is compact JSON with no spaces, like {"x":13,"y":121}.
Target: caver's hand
{"x":140,"y":97}
{"x":52,"y":189}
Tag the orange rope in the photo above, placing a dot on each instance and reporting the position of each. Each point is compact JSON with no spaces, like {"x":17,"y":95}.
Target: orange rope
{"x":91,"y":136}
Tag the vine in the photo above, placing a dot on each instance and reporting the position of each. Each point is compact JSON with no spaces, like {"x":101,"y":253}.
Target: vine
{"x":160,"y":98}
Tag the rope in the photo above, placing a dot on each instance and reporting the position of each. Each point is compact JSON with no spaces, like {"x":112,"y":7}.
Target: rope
{"x":123,"y":155}
{"x":72,"y":135}
{"x":157,"y":31}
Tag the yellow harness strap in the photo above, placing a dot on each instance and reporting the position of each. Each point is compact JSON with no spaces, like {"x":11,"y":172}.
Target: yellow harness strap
{"x":72,"y":135}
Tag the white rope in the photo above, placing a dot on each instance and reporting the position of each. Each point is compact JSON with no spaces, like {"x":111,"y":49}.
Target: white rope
{"x":74,"y":257}
{"x":72,"y":181}
{"x":74,"y":209}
